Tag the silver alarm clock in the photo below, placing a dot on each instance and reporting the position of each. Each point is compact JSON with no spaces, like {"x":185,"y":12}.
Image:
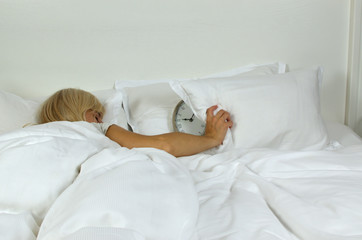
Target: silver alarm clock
{"x":184,"y":120}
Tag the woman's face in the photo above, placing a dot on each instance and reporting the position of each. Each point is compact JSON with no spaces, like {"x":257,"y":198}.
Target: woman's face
{"x":93,"y":116}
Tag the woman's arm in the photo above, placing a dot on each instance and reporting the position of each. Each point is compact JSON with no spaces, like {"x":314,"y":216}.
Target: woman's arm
{"x":178,"y":144}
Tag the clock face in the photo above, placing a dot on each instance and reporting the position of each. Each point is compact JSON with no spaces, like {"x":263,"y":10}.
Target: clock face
{"x":184,"y":120}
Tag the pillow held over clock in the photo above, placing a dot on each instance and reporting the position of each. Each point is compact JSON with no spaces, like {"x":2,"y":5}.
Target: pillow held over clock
{"x":149,"y":105}
{"x":280,"y":111}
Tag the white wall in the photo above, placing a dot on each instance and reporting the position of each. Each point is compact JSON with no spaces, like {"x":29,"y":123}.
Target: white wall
{"x":48,"y":45}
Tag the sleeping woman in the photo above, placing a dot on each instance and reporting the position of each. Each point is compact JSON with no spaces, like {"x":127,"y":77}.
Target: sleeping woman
{"x":78,"y":105}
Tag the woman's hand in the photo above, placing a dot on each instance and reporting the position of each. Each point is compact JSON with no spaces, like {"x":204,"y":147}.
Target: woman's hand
{"x":217,"y":125}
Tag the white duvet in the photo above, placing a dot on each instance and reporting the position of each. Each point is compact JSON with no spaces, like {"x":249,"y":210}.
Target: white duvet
{"x":67,"y":181}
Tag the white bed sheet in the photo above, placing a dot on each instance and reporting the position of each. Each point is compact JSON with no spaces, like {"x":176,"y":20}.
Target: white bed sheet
{"x":148,"y":194}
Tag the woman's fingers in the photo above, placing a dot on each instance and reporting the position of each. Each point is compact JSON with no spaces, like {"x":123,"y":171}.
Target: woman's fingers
{"x":210,"y":111}
{"x":222,"y":115}
{"x":217,"y":124}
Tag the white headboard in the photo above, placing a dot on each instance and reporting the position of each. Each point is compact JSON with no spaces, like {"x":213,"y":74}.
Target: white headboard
{"x":48,"y":45}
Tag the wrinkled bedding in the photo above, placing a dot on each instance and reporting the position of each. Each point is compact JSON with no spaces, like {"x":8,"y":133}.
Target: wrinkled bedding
{"x":68,"y":181}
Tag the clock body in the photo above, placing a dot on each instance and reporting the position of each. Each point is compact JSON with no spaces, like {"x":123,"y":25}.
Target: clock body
{"x":184,"y":120}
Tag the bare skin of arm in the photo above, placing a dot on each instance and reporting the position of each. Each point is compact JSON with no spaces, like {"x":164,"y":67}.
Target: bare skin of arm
{"x":175,"y":143}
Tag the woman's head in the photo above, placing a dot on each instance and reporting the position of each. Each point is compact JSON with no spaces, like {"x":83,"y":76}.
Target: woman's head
{"x":71,"y":105}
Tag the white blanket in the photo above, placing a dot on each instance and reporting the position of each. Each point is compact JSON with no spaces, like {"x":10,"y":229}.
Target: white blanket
{"x":264,"y":194}
{"x":149,"y":194}
{"x":142,"y":191}
{"x":36,"y":164}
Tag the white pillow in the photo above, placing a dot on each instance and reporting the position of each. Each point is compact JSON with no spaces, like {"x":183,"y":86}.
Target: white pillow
{"x":18,"y":112}
{"x":149,"y":108}
{"x":112,"y":102}
{"x":149,"y":105}
{"x":279,"y":111}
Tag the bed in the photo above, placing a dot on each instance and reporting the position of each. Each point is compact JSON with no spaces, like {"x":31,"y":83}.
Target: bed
{"x":282,"y":172}
{"x":289,"y":72}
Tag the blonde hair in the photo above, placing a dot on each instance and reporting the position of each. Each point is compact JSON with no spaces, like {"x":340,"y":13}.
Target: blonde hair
{"x":69,"y":105}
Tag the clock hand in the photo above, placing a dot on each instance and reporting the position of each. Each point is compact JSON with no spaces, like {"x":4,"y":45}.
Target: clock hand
{"x":192,"y":118}
{"x":187,"y":119}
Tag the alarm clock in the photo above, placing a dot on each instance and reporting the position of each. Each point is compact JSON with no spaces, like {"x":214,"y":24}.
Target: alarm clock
{"x":184,"y":120}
